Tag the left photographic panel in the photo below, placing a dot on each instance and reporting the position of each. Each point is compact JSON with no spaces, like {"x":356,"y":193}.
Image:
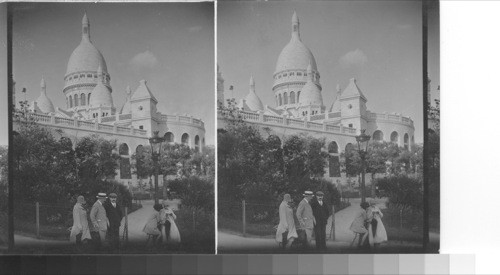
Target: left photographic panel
{"x":109,"y":151}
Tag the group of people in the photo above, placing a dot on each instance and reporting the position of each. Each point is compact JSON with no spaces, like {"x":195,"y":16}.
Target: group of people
{"x":312,"y":213}
{"x":104,"y":227}
{"x":368,"y":225}
{"x":161,"y":225}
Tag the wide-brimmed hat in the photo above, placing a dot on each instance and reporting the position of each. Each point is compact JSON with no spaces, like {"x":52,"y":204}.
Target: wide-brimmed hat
{"x":308,"y":193}
{"x":320,"y":193}
{"x":113,"y":195}
{"x":101,"y":195}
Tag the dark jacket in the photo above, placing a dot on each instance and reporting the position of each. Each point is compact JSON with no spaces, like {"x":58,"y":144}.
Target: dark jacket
{"x":114,"y":214}
{"x":320,"y":212}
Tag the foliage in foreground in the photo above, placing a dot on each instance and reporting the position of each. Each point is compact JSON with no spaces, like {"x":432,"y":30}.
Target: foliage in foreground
{"x":48,"y":170}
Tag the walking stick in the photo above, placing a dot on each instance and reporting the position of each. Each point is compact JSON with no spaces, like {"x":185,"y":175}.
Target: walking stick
{"x":332,"y":229}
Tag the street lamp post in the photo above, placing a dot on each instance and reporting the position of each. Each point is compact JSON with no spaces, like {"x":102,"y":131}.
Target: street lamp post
{"x":339,"y":186}
{"x":362,"y":141}
{"x":156,"y":142}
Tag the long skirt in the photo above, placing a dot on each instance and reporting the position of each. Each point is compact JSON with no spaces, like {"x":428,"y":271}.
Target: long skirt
{"x":173,"y":236}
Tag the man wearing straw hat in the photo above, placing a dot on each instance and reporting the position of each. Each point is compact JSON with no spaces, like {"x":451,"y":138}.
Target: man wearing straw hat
{"x":305,"y":216}
{"x":99,"y":218}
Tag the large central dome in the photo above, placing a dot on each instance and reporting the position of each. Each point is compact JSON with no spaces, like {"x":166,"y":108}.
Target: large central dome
{"x":86,"y":57}
{"x":295,"y":55}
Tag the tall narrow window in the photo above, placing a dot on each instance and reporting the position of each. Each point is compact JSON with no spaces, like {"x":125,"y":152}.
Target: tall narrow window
{"x":185,"y":139}
{"x":125,"y":172}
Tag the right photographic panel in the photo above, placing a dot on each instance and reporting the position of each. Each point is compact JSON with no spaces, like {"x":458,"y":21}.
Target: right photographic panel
{"x":323,"y":140}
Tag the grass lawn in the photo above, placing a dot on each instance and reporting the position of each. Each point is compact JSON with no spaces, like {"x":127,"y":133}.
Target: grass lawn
{"x":201,"y":238}
{"x":411,"y":231}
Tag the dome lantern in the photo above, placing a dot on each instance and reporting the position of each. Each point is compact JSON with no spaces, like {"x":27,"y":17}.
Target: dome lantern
{"x":295,"y":26}
{"x":85,"y":28}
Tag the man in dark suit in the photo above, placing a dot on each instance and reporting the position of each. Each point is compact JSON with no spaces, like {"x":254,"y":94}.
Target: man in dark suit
{"x":321,"y":212}
{"x":114,"y":213}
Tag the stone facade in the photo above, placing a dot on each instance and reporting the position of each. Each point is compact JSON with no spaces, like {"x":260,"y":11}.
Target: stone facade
{"x":90,"y":109}
{"x":299,"y":108}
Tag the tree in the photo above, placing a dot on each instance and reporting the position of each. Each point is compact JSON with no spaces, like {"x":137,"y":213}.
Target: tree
{"x":195,"y":192}
{"x":96,"y":158}
{"x":47,"y":169}
{"x":3,"y":178}
{"x":43,"y":166}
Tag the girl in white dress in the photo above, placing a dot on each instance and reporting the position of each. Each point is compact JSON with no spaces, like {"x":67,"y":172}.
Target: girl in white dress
{"x":173,"y":236}
{"x":377,"y":233}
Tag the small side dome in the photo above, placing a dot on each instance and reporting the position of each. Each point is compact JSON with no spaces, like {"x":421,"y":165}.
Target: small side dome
{"x":311,"y":94}
{"x":101,"y":96}
{"x":252,"y":100}
{"x":43,"y":102}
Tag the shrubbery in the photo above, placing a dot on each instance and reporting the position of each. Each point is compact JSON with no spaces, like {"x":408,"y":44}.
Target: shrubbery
{"x":403,"y":191}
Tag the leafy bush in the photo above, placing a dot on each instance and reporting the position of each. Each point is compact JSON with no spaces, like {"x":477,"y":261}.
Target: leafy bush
{"x":403,"y":191}
{"x":195,"y":192}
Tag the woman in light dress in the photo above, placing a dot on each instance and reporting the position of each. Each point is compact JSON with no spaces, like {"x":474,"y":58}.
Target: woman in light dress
{"x":167,"y":215}
{"x":376,"y":229}
{"x":286,"y":232}
{"x":358,"y":224}
{"x":80,"y":230}
{"x":151,"y":226}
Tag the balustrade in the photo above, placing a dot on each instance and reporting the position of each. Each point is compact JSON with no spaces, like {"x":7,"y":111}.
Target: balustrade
{"x":273,"y":119}
{"x":315,"y":125}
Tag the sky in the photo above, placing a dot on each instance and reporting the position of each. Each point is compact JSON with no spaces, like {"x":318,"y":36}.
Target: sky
{"x":170,"y":45}
{"x":377,"y":42}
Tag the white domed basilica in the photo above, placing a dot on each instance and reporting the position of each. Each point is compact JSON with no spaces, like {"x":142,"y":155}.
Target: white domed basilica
{"x":90,"y":109}
{"x":299,"y":106}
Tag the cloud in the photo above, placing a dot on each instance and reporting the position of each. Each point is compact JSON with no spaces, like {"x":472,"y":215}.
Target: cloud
{"x":195,"y":28}
{"x":144,"y":60}
{"x":356,"y":58}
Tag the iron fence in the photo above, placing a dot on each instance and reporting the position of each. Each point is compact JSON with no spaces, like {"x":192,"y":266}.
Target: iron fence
{"x":51,"y":221}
